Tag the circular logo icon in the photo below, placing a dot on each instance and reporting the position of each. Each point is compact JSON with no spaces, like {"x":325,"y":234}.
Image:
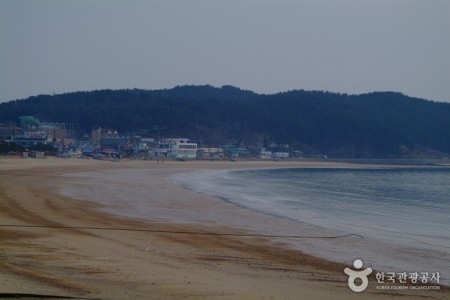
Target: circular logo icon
{"x":361,"y":274}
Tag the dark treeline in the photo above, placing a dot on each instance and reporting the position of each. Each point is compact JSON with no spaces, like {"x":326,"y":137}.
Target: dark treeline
{"x":381,"y":124}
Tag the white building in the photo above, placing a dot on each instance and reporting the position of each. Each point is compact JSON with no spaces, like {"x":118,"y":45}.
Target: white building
{"x":265,"y":154}
{"x":179,"y":148}
{"x":280,"y":155}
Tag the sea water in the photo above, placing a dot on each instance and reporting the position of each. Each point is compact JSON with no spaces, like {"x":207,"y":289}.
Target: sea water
{"x":401,"y":216}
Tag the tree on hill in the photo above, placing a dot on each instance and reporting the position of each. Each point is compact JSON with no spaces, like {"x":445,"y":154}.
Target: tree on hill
{"x":381,"y":124}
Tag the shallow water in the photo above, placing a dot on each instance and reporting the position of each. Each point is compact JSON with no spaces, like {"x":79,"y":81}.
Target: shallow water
{"x":403,"y":214}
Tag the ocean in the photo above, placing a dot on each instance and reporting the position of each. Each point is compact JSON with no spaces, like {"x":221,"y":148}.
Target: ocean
{"x":399,"y":218}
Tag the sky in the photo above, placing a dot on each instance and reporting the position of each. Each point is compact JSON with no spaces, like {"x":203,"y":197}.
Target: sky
{"x":267,"y":46}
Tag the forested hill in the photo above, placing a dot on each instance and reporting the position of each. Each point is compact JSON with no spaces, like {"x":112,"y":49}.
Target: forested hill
{"x":381,"y":124}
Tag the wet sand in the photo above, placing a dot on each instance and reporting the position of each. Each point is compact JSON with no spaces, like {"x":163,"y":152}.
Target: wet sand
{"x":67,"y":253}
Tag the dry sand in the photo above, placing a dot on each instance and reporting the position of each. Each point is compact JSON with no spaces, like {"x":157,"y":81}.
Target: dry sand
{"x":84,"y":263}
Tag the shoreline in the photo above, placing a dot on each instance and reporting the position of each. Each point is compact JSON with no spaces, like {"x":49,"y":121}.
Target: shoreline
{"x":105,"y":264}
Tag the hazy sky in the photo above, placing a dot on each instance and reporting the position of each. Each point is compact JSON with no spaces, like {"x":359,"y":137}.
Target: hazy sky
{"x":352,"y":46}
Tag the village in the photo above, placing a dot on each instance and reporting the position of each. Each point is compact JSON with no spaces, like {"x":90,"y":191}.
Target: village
{"x":37,"y":139}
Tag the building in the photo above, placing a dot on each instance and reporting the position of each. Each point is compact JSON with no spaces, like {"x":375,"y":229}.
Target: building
{"x":96,"y":136}
{"x":37,"y":154}
{"x":30,"y":139}
{"x":211,"y":153}
{"x":33,"y":132}
{"x":280,"y":155}
{"x":265,"y":154}
{"x":55,"y":132}
{"x":297,"y":154}
{"x":10,"y":130}
{"x":180,"y":148}
{"x":235,"y":151}
{"x":115,"y":145}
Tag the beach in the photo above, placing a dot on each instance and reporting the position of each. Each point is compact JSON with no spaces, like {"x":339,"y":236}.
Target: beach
{"x":55,"y":244}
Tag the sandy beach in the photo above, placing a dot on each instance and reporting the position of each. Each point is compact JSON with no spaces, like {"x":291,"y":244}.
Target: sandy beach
{"x":65,"y":247}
